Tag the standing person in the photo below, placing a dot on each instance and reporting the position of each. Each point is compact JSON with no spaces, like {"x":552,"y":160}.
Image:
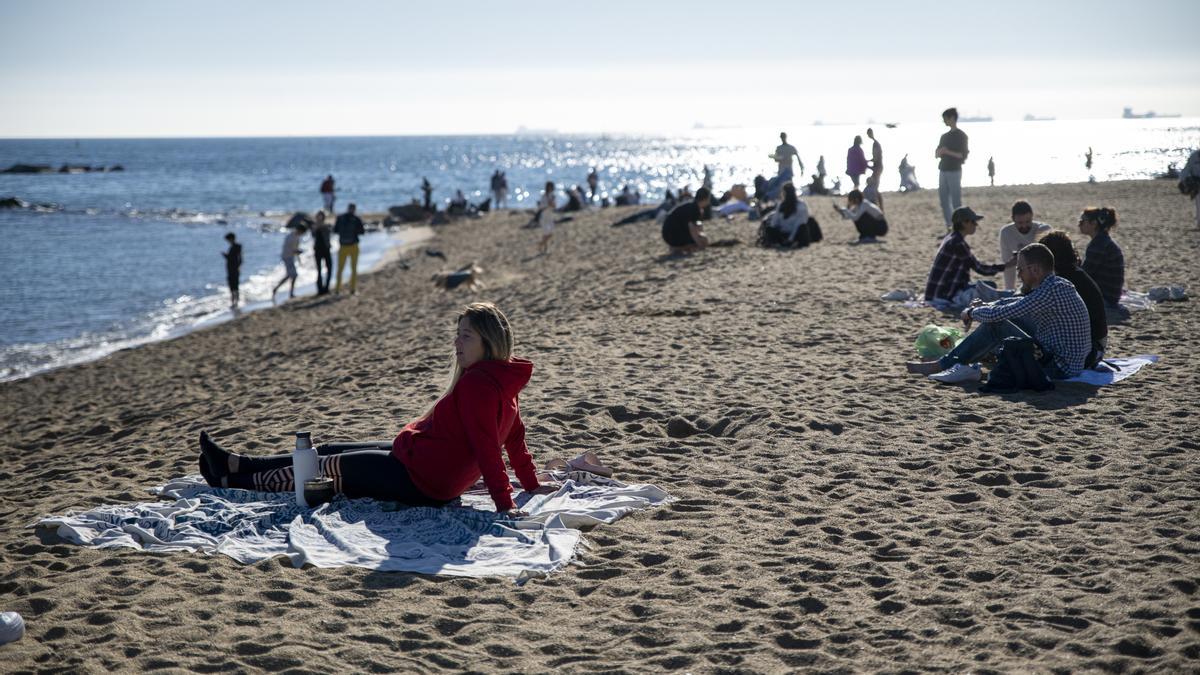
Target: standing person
{"x":951,"y":152}
{"x":499,"y":189}
{"x":427,"y":190}
{"x":872,"y":192}
{"x":464,"y":436}
{"x":951,"y":271}
{"x":233,"y":268}
{"x":783,"y":156}
{"x":683,"y":230}
{"x":1087,"y":159}
{"x":545,"y":217}
{"x":821,"y":167}
{"x":856,"y":161}
{"x":322,"y":251}
{"x":992,"y":171}
{"x":291,"y":249}
{"x":349,"y":227}
{"x":1189,"y":181}
{"x":1021,"y":232}
{"x":327,"y":193}
{"x":876,"y":153}
{"x":503,"y":199}
{"x":1103,"y":259}
{"x":593,"y":182}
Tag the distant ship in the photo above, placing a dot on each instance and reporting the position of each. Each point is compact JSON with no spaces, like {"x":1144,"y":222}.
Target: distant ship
{"x":1148,"y":115}
{"x":976,"y":118}
{"x":1035,"y":118}
{"x":529,"y":131}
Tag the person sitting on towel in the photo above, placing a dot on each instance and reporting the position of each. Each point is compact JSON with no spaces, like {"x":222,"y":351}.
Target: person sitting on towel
{"x":951,"y":271}
{"x":1052,"y":313}
{"x":439,"y":455}
{"x":867,"y":217}
{"x":1103,"y":259}
{"x":1066,"y":265}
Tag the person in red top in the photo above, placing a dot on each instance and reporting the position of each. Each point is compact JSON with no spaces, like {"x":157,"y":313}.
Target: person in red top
{"x":438,"y":456}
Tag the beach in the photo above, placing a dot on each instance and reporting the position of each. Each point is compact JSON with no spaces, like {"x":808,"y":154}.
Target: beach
{"x":831,"y":512}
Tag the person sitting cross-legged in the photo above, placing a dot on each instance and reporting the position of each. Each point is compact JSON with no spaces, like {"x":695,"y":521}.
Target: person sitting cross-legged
{"x":951,"y":271}
{"x":1052,"y":313}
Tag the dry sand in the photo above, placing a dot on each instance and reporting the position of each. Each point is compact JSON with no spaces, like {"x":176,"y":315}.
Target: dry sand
{"x":833,"y":512}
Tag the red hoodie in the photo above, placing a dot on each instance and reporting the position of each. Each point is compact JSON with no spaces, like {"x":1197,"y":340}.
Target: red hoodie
{"x":447,"y":452}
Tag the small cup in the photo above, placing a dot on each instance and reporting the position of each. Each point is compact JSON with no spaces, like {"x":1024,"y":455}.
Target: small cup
{"x":318,"y":491}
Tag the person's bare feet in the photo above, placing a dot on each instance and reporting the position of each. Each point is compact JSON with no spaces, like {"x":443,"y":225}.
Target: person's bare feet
{"x":924,"y":367}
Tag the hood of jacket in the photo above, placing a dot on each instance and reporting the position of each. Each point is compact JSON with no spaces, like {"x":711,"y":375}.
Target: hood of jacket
{"x":511,"y":376}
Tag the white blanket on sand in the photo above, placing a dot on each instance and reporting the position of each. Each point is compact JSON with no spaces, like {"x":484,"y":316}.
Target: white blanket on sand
{"x":1111,"y":371}
{"x":469,"y":540}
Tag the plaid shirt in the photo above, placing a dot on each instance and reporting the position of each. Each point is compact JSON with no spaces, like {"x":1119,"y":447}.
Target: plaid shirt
{"x":1105,"y":264}
{"x":1061,"y":323}
{"x":952,"y":268}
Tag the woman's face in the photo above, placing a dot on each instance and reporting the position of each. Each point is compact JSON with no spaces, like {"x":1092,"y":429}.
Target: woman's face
{"x":468,"y":346}
{"x":1087,"y":227}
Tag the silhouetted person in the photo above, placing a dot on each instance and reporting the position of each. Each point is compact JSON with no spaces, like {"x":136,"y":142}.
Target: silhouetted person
{"x":349,"y":227}
{"x":233,"y":267}
{"x":427,"y":190}
{"x":951,"y":152}
{"x":322,"y":252}
{"x":327,"y":193}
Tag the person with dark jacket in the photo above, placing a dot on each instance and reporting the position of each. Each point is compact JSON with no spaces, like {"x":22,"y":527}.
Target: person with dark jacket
{"x":322,"y":251}
{"x":1066,"y":265}
{"x":465,"y":435}
{"x":682,"y":229}
{"x":349,"y":228}
{"x":951,"y":271}
{"x":233,"y":267}
{"x":1103,"y":260}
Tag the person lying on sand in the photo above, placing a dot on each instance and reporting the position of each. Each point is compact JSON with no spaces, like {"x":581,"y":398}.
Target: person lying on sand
{"x":439,"y":455}
{"x":682,"y":230}
{"x":1052,"y":313}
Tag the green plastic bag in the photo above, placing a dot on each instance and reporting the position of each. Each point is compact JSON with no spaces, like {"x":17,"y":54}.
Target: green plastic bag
{"x":935,"y":341}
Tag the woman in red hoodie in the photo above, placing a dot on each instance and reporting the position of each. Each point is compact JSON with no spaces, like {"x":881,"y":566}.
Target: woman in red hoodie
{"x":436,"y":457}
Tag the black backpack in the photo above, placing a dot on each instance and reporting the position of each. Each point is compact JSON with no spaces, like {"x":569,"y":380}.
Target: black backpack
{"x":1017,"y":368}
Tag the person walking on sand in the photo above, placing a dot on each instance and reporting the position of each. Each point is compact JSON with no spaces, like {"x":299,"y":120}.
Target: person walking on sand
{"x":464,"y":436}
{"x":322,"y":251}
{"x":871,"y":192}
{"x":992,"y":171}
{"x":291,"y":249}
{"x":856,"y":161}
{"x":951,"y":153}
{"x":327,"y":193}
{"x":499,"y":189}
{"x":349,"y":227}
{"x":545,"y":217}
{"x":233,"y":267}
{"x":783,"y":157}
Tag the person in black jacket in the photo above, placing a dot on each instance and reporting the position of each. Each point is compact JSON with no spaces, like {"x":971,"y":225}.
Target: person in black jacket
{"x":1066,"y":265}
{"x":233,"y":267}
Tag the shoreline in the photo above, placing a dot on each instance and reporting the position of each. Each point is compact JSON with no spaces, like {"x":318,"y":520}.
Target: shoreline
{"x":404,"y":238}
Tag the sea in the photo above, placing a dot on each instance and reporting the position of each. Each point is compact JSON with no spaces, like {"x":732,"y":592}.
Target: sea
{"x":94,"y":262}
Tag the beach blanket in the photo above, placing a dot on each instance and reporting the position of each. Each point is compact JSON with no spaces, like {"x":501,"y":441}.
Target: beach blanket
{"x":465,"y":539}
{"x":1111,"y":371}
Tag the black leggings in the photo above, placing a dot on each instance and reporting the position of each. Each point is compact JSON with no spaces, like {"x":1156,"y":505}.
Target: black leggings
{"x":358,"y":469}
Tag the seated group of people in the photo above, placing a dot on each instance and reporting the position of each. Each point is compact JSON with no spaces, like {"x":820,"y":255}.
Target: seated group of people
{"x":1063,"y":305}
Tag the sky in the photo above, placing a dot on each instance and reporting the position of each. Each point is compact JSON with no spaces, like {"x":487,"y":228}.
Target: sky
{"x":137,"y":68}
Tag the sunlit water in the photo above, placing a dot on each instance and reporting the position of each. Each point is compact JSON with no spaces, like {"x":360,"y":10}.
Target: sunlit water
{"x":123,"y":258}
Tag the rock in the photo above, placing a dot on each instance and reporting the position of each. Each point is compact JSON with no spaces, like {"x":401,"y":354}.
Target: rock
{"x":28,"y":168}
{"x":299,"y":218}
{"x":115,"y":167}
{"x":408,"y":213}
{"x":13,"y":203}
{"x":77,"y":168}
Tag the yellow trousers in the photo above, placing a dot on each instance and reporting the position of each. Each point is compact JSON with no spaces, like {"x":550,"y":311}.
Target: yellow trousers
{"x":348,"y":251}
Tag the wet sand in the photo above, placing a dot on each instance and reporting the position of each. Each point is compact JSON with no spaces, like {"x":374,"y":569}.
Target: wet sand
{"x":832,"y":513}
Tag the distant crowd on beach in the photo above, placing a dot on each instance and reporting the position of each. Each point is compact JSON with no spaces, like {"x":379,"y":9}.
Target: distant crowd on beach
{"x":1061,"y":307}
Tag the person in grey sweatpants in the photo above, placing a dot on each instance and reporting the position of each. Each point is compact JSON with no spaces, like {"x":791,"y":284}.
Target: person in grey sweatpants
{"x":951,"y":153}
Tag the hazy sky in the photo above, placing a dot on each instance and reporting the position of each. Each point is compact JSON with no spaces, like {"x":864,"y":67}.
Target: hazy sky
{"x":216,"y":68}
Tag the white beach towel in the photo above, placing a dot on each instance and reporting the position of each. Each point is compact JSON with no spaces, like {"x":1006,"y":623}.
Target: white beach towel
{"x":467,"y":540}
{"x":1104,"y":373}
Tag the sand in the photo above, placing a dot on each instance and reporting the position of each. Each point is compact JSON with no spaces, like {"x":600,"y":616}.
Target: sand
{"x":832,"y":513}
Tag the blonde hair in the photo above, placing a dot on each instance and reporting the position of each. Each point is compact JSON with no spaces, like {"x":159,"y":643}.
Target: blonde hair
{"x":494,"y":330}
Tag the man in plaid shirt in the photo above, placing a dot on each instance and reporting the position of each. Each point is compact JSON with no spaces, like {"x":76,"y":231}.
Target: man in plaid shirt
{"x":951,"y":272}
{"x":1052,"y":313}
